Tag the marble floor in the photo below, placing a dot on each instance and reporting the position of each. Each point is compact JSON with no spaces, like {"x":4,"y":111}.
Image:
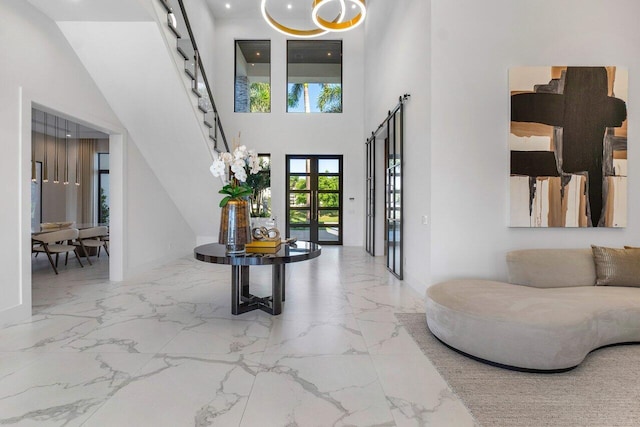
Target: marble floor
{"x":162,"y":349}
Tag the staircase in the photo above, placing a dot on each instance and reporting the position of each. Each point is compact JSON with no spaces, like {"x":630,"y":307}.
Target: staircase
{"x":148,"y":68}
{"x":178,"y":23}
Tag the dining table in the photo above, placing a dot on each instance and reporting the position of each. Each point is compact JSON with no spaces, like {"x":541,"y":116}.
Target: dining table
{"x":51,"y":227}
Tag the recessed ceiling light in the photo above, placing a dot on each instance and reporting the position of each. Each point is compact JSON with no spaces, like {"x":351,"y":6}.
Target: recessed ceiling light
{"x":289,"y":6}
{"x":227,"y":5}
{"x":328,"y":53}
{"x":257,"y":53}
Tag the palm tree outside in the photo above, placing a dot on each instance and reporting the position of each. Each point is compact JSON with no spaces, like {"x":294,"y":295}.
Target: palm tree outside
{"x":295,"y":90}
{"x":327,"y":96}
{"x":260,"y":97}
{"x":330,"y":99}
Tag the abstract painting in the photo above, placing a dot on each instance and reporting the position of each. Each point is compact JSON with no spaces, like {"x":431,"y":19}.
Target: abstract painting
{"x":568,"y":144}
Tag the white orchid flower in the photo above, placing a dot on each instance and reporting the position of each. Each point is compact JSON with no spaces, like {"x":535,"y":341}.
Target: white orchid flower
{"x":218,"y":168}
{"x":240,"y":152}
{"x":241,"y":175}
{"x":226,"y":157}
{"x":255,"y":166}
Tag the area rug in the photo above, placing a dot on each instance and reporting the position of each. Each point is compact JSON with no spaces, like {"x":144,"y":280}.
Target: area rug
{"x":604,"y":391}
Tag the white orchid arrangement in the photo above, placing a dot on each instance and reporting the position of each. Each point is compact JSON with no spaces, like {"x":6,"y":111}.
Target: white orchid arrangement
{"x":242,"y":163}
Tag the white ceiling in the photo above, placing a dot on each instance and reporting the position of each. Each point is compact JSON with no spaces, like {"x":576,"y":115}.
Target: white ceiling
{"x":92,"y":10}
{"x":251,"y":8}
{"x":52,"y":125}
{"x":130,"y":10}
{"x":300,"y":9}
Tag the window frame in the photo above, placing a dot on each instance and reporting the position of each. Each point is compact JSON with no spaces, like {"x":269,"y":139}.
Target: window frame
{"x":341,"y":41}
{"x":235,"y":76}
{"x":100,"y":173}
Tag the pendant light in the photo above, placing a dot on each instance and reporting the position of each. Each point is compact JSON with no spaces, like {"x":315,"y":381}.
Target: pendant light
{"x":339,"y":26}
{"x":341,"y":22}
{"x":66,"y":153}
{"x":45,"y":163}
{"x":77,"y":156}
{"x":56,"y":177}
{"x":34,"y":178}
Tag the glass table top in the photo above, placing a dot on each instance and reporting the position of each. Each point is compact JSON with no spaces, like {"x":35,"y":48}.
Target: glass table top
{"x":287,"y":253}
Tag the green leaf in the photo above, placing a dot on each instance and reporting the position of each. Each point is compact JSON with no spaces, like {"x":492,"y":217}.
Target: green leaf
{"x":224,"y":201}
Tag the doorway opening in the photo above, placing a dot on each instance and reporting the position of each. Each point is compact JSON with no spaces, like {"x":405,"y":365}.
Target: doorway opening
{"x":69,"y":194}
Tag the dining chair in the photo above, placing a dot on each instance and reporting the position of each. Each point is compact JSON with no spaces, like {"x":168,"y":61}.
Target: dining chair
{"x":92,"y":238}
{"x":106,"y":241}
{"x":57,"y":242}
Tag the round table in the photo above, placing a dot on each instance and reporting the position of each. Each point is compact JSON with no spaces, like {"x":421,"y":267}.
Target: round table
{"x":242,"y":300}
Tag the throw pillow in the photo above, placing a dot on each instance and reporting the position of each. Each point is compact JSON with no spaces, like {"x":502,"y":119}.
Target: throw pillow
{"x":616,"y":267}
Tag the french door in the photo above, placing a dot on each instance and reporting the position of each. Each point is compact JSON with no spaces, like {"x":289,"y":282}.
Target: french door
{"x":314,"y":198}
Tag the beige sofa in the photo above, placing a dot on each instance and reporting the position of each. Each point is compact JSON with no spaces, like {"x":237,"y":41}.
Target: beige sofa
{"x":547,"y":318}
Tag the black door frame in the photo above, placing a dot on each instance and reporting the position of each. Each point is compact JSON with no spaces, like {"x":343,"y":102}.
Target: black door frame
{"x":393,"y":125}
{"x":394,"y":211}
{"x":314,"y":208}
{"x":370,"y":202}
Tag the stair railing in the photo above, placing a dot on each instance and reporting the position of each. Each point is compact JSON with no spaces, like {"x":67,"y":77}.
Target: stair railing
{"x":178,"y":22}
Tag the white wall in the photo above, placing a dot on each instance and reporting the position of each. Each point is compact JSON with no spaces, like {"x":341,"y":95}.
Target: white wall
{"x":397,"y":62}
{"x":39,"y":67}
{"x":36,"y":65}
{"x":280,"y":133}
{"x":474,"y":44}
{"x":156,"y":231}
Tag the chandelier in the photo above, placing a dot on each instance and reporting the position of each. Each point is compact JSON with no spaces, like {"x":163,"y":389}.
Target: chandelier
{"x":323,"y":25}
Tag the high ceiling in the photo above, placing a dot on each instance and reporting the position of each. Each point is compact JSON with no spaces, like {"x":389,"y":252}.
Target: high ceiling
{"x":78,"y":10}
{"x":282,"y":10}
{"x":300,"y":9}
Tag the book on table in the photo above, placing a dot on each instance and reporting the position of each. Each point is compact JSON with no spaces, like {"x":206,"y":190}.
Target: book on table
{"x":263,"y":246}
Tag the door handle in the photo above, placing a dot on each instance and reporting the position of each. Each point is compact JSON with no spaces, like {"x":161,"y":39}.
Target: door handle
{"x":315,"y":204}
{"x":314,"y":208}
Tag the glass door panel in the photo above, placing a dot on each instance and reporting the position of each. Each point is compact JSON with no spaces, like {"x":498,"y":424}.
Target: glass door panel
{"x":299,"y":165}
{"x":300,"y":233}
{"x":298,"y":216}
{"x":314,"y":195}
{"x":329,"y":166}
{"x":393,"y":193}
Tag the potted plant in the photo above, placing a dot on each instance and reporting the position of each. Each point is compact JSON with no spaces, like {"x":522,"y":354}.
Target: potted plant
{"x":235,"y":226}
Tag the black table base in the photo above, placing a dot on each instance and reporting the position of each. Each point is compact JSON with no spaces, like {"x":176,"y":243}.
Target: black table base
{"x":242,"y":301}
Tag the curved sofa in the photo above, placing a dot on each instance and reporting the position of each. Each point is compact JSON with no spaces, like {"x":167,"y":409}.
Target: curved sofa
{"x":547,"y":318}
